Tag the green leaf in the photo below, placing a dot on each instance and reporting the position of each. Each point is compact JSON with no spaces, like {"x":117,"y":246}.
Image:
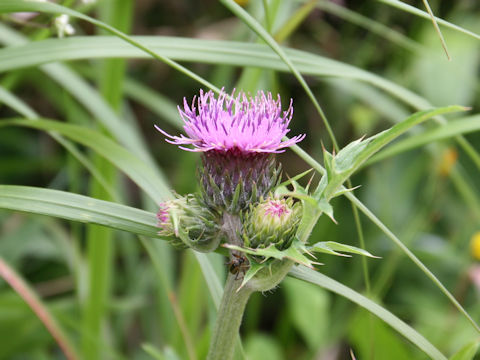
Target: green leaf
{"x":376,"y":27}
{"x":413,"y":10}
{"x":79,"y":208}
{"x":346,"y":157}
{"x":20,"y":286}
{"x":370,"y":337}
{"x":324,"y":206}
{"x":449,"y":130}
{"x":294,"y":253}
{"x":334,"y":248}
{"x":9,"y":99}
{"x":352,"y":157}
{"x":412,"y":257}
{"x":155,"y":353}
{"x":260,"y":346}
{"x":254,"y":268}
{"x":467,"y":352}
{"x":382,"y":313}
{"x":308,"y":308}
{"x":130,"y":164}
{"x":20,"y":5}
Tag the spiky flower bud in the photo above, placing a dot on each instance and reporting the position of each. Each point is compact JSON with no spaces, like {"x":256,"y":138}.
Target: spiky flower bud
{"x":238,"y":137}
{"x":186,"y":216}
{"x":272,"y":221}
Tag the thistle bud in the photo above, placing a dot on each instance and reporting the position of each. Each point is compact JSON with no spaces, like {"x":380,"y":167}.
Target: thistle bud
{"x":188,"y":216}
{"x":272,"y":221}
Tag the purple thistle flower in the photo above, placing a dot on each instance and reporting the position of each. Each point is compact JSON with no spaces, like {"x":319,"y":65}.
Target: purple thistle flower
{"x":241,"y":124}
{"x":238,"y":137}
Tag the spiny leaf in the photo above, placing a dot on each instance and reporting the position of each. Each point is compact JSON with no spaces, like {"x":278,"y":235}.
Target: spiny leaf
{"x":254,"y":268}
{"x":294,"y":253}
{"x":324,"y":206}
{"x":344,"y":191}
{"x":341,"y":166}
{"x":295,"y":178}
{"x":334,"y":248}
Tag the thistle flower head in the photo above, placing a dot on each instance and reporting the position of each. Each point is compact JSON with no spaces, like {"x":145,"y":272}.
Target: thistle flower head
{"x":241,"y":124}
{"x":167,"y":209}
{"x":272,"y":221}
{"x":276,"y":210}
{"x":238,"y":137}
{"x":188,"y":216}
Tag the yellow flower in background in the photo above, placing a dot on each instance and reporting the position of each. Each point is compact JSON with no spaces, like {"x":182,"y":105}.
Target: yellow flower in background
{"x":449,"y":158}
{"x":475,"y":245}
{"x":242,"y":2}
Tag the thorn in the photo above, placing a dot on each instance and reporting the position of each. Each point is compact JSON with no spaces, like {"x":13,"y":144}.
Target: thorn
{"x":309,"y":182}
{"x":352,"y":355}
{"x":333,"y":219}
{"x":309,"y":253}
{"x":241,"y":285}
{"x":342,"y":254}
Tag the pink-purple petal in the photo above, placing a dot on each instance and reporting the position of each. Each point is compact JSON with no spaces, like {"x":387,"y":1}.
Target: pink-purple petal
{"x":234,"y":122}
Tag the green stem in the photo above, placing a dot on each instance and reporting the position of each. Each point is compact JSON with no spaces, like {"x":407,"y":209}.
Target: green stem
{"x":229,"y":318}
{"x":235,"y":297}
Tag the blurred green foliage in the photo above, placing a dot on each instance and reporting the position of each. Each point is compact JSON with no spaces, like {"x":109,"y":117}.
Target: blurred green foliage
{"x":429,"y":196}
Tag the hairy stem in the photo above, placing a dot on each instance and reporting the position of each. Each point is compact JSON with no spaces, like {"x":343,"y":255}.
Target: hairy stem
{"x":232,"y":307}
{"x":229,"y":318}
{"x":235,"y":297}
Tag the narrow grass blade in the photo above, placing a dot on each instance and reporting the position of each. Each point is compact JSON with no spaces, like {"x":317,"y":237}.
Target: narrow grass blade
{"x":412,"y":257}
{"x":349,"y":159}
{"x":28,"y":295}
{"x":437,"y":29}
{"x":7,"y":98}
{"x":17,"y":104}
{"x":370,"y":24}
{"x":79,"y":208}
{"x":135,"y":168}
{"x":20,"y":5}
{"x":467,"y":352}
{"x":413,"y":10}
{"x":303,"y":273}
{"x":447,"y":131}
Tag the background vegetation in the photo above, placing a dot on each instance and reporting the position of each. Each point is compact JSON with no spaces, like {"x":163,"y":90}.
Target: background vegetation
{"x":125,"y":295}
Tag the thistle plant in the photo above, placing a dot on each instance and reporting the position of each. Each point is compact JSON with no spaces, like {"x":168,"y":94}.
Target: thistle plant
{"x":241,"y":200}
{"x":111,"y":286}
{"x":244,"y":207}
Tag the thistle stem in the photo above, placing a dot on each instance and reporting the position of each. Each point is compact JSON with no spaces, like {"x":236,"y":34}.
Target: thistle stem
{"x":234,"y":299}
{"x":229,"y":318}
{"x":230,"y":313}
